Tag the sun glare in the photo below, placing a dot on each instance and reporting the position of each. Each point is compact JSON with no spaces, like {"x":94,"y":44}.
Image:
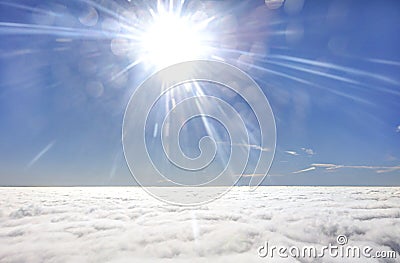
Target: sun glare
{"x":171,"y":39}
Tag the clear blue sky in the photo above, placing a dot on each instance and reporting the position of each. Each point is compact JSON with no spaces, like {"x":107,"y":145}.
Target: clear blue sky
{"x":330,"y":70}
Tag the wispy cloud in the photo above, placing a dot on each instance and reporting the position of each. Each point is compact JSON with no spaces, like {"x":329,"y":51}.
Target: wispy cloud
{"x":41,"y":153}
{"x":255,"y":147}
{"x":386,"y":62}
{"x":251,"y":175}
{"x":331,"y":166}
{"x":398,"y":128}
{"x":251,"y":146}
{"x":303,"y":151}
{"x":308,"y":151}
{"x":305,"y":170}
{"x":292,"y":153}
{"x":328,"y":166}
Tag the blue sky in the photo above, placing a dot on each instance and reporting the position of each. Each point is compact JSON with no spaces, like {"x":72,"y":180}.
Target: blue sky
{"x":330,"y":70}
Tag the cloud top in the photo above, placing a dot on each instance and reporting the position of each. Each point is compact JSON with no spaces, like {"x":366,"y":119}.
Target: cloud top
{"x":123,"y":224}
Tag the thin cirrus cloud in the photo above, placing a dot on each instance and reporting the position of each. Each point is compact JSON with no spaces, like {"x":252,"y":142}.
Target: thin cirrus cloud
{"x":307,"y":151}
{"x":41,"y":153}
{"x":305,"y":170}
{"x":331,"y":166}
{"x":251,"y":146}
{"x":292,"y":153}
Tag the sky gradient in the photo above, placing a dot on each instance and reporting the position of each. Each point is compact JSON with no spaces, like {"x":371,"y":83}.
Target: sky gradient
{"x":330,"y":70}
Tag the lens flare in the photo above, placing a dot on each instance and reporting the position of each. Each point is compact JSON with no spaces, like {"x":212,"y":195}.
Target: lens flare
{"x":170,"y":38}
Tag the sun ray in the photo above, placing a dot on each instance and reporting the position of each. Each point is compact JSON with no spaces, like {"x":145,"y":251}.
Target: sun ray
{"x":8,"y":28}
{"x":343,"y":69}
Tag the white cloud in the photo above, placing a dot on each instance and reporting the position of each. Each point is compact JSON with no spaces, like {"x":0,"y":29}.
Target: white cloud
{"x":251,"y":146}
{"x":398,"y":129}
{"x":305,"y":170}
{"x":387,"y":169}
{"x":255,"y":147}
{"x":308,"y":151}
{"x":123,"y":224}
{"x":251,"y":175}
{"x":292,"y":153}
{"x":330,"y":166}
{"x":327,"y":166}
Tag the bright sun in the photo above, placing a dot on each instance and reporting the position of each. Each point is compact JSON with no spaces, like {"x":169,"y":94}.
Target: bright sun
{"x":171,"y":39}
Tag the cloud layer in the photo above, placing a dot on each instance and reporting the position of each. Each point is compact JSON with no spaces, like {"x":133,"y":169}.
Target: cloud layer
{"x":122,"y":224}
